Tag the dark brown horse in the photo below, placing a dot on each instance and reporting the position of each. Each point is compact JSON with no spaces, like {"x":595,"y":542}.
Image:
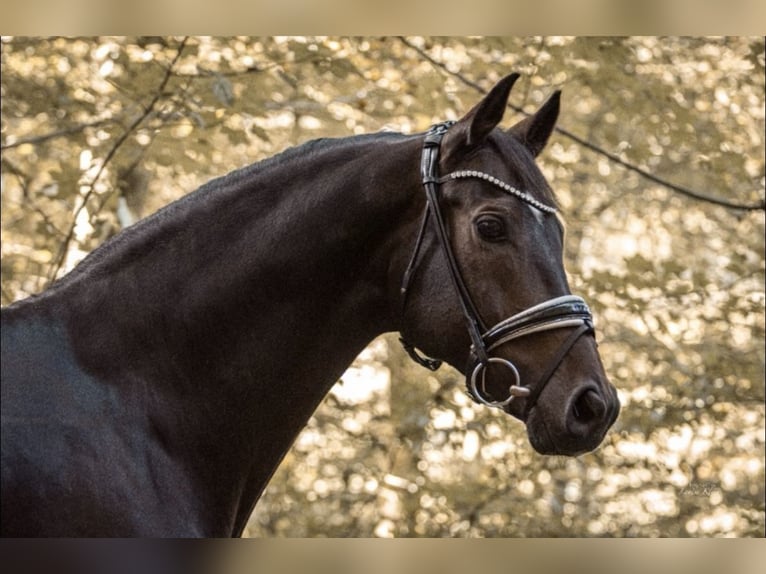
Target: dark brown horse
{"x":154,"y":390}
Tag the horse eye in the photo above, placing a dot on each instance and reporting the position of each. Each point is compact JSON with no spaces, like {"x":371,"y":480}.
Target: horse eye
{"x":491,"y":228}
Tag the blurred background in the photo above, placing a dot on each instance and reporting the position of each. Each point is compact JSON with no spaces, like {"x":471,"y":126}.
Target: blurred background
{"x":659,"y":169}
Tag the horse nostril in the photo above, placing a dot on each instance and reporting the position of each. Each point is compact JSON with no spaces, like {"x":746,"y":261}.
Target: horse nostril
{"x":586,"y":408}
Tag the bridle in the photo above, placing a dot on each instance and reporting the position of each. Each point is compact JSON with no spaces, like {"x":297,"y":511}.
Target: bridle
{"x":557,"y":313}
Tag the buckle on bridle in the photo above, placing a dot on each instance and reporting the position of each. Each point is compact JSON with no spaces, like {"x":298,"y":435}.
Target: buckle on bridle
{"x":423,"y":361}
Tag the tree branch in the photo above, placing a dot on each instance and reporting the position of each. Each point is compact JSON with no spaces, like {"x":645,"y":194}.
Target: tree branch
{"x":61,"y":257}
{"x":760,"y":206}
{"x":57,"y":134}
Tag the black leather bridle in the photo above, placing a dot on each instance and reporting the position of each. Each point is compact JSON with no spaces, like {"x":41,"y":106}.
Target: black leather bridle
{"x":557,"y":313}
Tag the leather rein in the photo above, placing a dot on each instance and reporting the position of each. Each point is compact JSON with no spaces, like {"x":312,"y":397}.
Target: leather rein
{"x":556,"y":313}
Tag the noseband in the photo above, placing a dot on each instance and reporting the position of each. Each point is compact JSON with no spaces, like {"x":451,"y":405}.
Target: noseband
{"x":557,"y":313}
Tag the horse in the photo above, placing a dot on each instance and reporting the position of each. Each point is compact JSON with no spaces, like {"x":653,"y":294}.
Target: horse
{"x":154,"y":389}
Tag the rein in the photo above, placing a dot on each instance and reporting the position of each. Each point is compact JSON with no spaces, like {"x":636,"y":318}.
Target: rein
{"x":556,"y":313}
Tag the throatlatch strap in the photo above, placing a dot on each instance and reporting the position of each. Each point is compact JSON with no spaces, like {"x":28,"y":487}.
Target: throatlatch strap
{"x":411,"y":266}
{"x":429,"y":171}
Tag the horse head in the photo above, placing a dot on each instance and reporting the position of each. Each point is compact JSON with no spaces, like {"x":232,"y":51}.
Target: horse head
{"x":486,"y":289}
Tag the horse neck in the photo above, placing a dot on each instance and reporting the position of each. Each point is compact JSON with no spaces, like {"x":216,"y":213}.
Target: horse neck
{"x":240,"y":305}
{"x":286,"y":235}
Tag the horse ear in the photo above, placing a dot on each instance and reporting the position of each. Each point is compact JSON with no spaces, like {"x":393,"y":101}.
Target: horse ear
{"x":535,"y":130}
{"x":473,"y":127}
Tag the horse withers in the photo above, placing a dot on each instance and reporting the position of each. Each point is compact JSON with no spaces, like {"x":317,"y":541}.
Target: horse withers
{"x":154,"y":389}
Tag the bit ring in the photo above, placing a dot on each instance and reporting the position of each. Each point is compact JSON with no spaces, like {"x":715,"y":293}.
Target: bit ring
{"x":515,"y":390}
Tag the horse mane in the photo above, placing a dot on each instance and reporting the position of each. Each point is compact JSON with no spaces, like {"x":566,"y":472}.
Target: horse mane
{"x":132,"y":238}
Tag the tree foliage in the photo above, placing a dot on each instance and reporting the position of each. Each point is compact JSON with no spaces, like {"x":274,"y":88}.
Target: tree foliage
{"x":97,"y":132}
